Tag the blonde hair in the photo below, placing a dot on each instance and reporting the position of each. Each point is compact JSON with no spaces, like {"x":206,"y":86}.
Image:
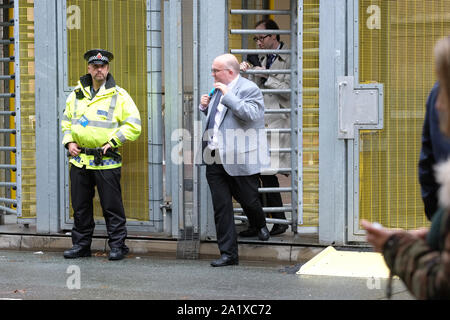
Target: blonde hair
{"x":442,"y":66}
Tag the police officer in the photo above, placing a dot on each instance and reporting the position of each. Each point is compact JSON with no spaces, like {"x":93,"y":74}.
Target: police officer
{"x":99,"y":117}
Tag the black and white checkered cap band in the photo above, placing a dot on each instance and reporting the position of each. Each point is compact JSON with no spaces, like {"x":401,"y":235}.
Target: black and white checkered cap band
{"x":98,"y":57}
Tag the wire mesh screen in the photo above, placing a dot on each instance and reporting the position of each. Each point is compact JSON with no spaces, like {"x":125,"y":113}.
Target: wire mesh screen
{"x":120,"y":27}
{"x":310,"y":113}
{"x":396,"y":40}
{"x":27,"y":108}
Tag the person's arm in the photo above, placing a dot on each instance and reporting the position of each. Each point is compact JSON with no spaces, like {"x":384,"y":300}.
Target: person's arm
{"x":424,"y":271}
{"x":129,"y":121}
{"x":249,"y":106}
{"x":279,"y":81}
{"x":428,"y":184}
{"x":66,"y":121}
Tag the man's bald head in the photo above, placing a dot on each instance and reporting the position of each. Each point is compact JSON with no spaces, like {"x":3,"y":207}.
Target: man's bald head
{"x":229,"y":61}
{"x":225,"y":68}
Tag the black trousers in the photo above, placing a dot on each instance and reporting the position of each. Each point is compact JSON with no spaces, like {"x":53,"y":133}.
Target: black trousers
{"x":245,"y":190}
{"x":83,"y":182}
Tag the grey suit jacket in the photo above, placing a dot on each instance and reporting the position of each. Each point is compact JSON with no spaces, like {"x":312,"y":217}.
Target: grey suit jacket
{"x":242,"y":138}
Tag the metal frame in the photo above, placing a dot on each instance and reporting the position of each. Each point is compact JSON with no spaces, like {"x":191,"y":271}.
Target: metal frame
{"x":209,"y":42}
{"x":355,"y":234}
{"x":155,"y":128}
{"x":296,"y":111}
{"x":7,"y":183}
{"x":18,"y":139}
{"x":48,"y":164}
{"x":173,"y":111}
{"x":338,"y":153}
{"x":333,"y":176}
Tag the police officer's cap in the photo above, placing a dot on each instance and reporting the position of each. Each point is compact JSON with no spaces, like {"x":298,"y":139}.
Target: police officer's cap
{"x":98,"y":56}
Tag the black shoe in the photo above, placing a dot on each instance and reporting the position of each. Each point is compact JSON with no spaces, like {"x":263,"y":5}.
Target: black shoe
{"x":77,"y":251}
{"x":118,"y":253}
{"x":250,"y":232}
{"x":225,"y":260}
{"x":278,"y":229}
{"x":263,"y":234}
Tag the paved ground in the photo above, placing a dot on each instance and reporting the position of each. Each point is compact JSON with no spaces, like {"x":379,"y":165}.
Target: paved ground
{"x":47,"y":275}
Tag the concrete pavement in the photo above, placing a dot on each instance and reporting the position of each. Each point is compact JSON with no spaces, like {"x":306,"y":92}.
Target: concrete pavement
{"x":47,"y":275}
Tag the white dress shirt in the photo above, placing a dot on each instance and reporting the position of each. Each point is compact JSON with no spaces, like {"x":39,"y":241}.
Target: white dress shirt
{"x":213,"y":141}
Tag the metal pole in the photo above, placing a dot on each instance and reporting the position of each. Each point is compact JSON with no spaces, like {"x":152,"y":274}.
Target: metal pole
{"x":297,"y":112}
{"x":155,"y":128}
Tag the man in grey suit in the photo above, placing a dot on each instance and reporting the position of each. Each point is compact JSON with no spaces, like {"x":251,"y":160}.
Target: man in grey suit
{"x":234,"y":150}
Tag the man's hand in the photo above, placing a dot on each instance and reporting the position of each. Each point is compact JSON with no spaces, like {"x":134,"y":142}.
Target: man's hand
{"x":106,"y":147}
{"x":260,"y":75}
{"x":204,"y":100}
{"x":222,"y":87}
{"x":244,"y":66}
{"x":73,"y":148}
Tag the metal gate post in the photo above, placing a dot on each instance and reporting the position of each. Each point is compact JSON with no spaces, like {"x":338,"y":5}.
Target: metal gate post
{"x":332,"y":151}
{"x":173,"y":109}
{"x":48,"y":146}
{"x":155,"y":127}
{"x":7,"y":115}
{"x":297,"y":112}
{"x":211,"y":42}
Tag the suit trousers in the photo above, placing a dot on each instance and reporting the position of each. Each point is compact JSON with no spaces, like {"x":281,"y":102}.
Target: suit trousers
{"x":245,"y":190}
{"x":83,"y":182}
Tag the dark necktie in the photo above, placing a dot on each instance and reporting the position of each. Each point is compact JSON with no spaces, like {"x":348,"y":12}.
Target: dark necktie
{"x":212,"y":115}
{"x":270,"y":58}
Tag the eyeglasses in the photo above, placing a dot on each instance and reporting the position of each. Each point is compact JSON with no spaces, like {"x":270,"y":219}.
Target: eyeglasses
{"x":214,"y":71}
{"x":256,"y":39}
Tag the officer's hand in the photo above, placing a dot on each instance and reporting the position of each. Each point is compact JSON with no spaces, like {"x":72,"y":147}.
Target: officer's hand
{"x":73,"y":148}
{"x":204,"y":100}
{"x":106,"y":147}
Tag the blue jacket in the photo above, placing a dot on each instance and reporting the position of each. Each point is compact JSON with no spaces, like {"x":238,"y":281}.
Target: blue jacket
{"x":435,"y":148}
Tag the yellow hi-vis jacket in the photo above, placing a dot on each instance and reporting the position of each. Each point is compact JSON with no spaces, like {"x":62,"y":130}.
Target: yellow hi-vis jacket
{"x":110,"y":117}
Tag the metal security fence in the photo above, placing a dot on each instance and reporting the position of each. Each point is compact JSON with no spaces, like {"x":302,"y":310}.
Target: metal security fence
{"x":396,"y":39}
{"x":125,"y":28}
{"x":19,"y":158}
{"x":294,"y":187}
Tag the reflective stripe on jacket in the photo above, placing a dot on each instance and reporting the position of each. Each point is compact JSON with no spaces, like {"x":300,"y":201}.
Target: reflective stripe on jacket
{"x":111,"y":116}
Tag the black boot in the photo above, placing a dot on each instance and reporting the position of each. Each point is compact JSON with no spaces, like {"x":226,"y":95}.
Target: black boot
{"x":278,"y":229}
{"x":118,"y":253}
{"x":77,"y":251}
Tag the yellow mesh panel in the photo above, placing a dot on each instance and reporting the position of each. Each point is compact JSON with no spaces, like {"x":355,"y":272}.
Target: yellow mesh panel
{"x":120,"y":27}
{"x":396,"y":49}
{"x":27,"y":107}
{"x":310,"y":113}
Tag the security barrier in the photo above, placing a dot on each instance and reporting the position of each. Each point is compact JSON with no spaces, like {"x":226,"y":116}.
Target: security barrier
{"x":396,"y":39}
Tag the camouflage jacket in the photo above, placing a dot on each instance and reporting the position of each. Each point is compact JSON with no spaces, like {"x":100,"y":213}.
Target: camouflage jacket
{"x":424,"y":265}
